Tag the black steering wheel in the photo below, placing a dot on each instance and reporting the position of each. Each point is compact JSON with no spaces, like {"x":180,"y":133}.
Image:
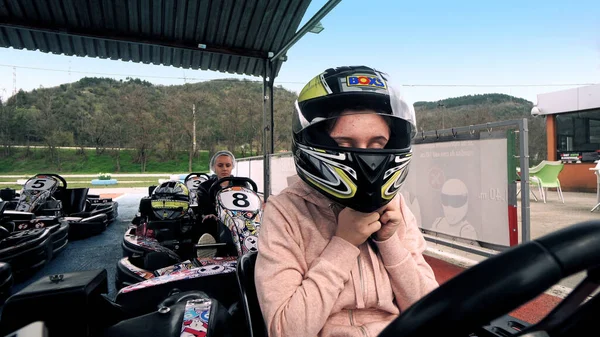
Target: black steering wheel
{"x":62,"y":180}
{"x":504,"y":282}
{"x":237,"y":181}
{"x":197,"y":174}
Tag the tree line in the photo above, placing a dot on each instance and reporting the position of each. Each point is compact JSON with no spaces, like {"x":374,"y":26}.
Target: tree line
{"x":111,"y":115}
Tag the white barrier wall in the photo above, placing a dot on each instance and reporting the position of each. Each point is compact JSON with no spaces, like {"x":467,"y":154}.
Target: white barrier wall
{"x":460,"y":188}
{"x":282,"y":168}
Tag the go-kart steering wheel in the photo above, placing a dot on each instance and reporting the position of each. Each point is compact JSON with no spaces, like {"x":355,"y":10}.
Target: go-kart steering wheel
{"x":62,"y":180}
{"x":197,"y":174}
{"x":216,"y":186}
{"x":502,"y":283}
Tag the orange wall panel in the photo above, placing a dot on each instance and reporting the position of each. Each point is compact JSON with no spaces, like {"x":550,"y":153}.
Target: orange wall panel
{"x":578,"y":178}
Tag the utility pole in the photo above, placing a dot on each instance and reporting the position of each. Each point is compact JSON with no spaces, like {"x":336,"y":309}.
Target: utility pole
{"x":194,"y":126}
{"x":443,"y":107}
{"x":193,"y":149}
{"x":14,"y":81}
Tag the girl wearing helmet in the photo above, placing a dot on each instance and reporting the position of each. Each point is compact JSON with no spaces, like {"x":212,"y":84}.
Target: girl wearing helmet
{"x":340,"y":253}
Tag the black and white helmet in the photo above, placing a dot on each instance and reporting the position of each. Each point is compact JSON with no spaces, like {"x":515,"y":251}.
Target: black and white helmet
{"x":362,"y":179}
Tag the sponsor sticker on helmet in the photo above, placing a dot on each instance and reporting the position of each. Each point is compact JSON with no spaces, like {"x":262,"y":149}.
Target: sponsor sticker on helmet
{"x":365,"y":81}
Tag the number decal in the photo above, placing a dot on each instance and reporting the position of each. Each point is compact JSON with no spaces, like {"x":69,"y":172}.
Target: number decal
{"x":40,"y":183}
{"x":193,"y":183}
{"x":240,"y":200}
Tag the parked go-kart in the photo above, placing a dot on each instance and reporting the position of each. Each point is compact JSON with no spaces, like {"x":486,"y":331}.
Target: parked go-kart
{"x":32,"y":229}
{"x":474,"y":303}
{"x":155,"y":248}
{"x":47,"y":195}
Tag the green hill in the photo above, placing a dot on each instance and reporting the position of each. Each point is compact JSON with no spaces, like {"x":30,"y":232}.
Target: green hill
{"x":480,"y":109}
{"x":155,"y":121}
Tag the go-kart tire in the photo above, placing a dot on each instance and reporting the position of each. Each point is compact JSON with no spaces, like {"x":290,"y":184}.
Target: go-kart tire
{"x":112,"y":216}
{"x":33,"y":255}
{"x":87,"y":227}
{"x":60,"y":238}
{"x":6,"y":281}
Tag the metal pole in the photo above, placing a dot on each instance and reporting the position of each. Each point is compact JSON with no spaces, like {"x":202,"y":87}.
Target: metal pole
{"x":266,"y":104}
{"x":308,"y":26}
{"x":194,"y":127}
{"x":272,"y":106}
{"x":524,"y":161}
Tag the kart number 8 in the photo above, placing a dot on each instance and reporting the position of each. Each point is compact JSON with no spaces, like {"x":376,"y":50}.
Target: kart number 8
{"x":240,"y":201}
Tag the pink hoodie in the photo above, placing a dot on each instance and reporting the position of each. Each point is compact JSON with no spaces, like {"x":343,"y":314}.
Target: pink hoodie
{"x":312,"y":283}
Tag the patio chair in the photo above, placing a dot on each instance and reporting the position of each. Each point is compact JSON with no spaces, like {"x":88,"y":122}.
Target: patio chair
{"x":545,"y":175}
{"x":535,"y":169}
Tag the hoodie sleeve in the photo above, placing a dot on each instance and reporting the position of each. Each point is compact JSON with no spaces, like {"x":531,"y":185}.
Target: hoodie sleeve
{"x":297,"y":299}
{"x":402,"y":254}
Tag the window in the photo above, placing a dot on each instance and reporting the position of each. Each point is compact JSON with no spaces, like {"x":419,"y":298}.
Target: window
{"x":578,"y":135}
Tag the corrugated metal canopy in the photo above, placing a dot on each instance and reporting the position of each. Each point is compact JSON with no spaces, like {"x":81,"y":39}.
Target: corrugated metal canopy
{"x":233,"y":36}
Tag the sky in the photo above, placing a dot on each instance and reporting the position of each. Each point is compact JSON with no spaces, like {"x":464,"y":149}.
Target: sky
{"x":435,"y":49}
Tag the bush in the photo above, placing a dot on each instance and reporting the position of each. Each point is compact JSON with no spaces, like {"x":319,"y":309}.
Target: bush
{"x":104,"y":176}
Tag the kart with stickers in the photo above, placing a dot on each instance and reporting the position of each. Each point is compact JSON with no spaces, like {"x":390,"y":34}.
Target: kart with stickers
{"x":149,"y":253}
{"x":165,"y":222}
{"x":47,"y":196}
{"x":32,"y":228}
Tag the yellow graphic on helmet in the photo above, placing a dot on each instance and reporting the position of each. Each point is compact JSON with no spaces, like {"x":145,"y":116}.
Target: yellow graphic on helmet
{"x":347,"y":182}
{"x":170,"y":204}
{"x":313,"y":89}
{"x":386,"y":186}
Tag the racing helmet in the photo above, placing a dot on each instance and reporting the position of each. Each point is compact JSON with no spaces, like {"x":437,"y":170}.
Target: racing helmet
{"x":363,"y":179}
{"x":170,"y":200}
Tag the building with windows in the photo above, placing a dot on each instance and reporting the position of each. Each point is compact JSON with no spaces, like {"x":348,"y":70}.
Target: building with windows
{"x":573,"y":133}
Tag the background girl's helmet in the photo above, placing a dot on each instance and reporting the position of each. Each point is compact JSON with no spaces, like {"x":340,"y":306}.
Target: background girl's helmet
{"x":170,"y":200}
{"x":362,"y":179}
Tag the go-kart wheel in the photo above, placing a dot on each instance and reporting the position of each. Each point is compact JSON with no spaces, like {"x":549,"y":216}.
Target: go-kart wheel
{"x":216,"y":186}
{"x":502,"y":283}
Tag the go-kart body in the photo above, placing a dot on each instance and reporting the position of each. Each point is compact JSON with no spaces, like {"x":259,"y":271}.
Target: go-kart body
{"x":47,"y":195}
{"x":153,"y":269}
{"x":38,"y":222}
{"x":164,"y":222}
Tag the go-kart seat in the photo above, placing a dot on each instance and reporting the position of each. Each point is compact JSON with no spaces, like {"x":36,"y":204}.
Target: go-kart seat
{"x":7,"y":194}
{"x":74,"y":199}
{"x":245,"y":275}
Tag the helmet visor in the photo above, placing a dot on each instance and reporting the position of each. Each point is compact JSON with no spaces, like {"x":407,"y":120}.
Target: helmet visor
{"x":359,"y":131}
